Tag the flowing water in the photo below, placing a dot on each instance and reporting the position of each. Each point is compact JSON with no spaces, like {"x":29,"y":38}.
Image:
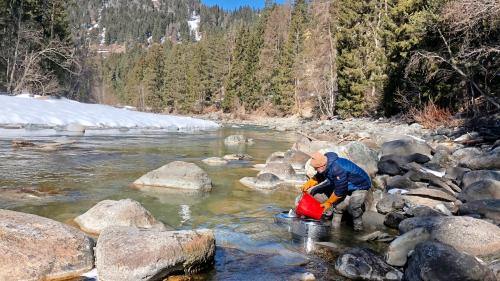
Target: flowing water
{"x":65,"y":183}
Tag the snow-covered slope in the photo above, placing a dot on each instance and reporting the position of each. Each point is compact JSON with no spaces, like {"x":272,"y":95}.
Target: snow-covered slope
{"x":24,"y":110}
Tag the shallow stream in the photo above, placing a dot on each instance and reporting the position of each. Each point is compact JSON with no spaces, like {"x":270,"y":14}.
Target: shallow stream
{"x":63,"y":184}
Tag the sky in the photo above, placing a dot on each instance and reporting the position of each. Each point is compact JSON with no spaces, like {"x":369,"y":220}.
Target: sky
{"x":29,"y":111}
{"x":234,"y":4}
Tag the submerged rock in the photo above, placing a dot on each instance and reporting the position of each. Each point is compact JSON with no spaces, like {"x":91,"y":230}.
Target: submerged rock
{"x":215,"y":161}
{"x":177,"y":174}
{"x":433,"y":261}
{"x":238,"y":156}
{"x":265,"y":181}
{"x":124,"y":212}
{"x":128,"y":253}
{"x":235,"y":140}
{"x":38,"y":248}
{"x":364,"y":264}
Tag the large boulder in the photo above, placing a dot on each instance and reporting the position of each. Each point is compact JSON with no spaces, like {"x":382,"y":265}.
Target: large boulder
{"x":480,"y":175}
{"x":363,"y":156}
{"x":308,"y":146}
{"x":466,"y":153}
{"x":394,"y":164}
{"x":177,"y":174}
{"x":474,"y":236}
{"x":296,"y":158}
{"x":479,"y":190}
{"x":402,"y":182}
{"x":283,"y":171}
{"x":405,"y":147}
{"x":37,"y":248}
{"x":489,"y":160}
{"x":129,"y":253}
{"x":126,"y":212}
{"x":434,"y":261}
{"x":393,"y":219}
{"x":277,"y":156}
{"x":364,"y":264}
{"x":488,"y":209}
{"x":398,"y":250}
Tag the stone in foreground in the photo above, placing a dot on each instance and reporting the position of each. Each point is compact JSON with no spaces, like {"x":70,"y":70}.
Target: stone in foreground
{"x":126,"y":212}
{"x":364,"y":264}
{"x":433,"y":261}
{"x":177,"y":174}
{"x":38,"y":248}
{"x":128,"y":253}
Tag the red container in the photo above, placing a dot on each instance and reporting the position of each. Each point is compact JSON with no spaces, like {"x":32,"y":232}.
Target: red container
{"x":309,"y":207}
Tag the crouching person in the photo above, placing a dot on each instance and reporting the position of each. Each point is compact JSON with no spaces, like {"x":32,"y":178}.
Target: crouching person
{"x":345,"y":185}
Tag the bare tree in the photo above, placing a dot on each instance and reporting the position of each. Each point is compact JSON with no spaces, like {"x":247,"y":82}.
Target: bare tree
{"x":468,"y":31}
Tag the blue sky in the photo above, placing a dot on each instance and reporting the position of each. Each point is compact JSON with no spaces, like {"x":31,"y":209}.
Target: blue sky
{"x":234,"y":4}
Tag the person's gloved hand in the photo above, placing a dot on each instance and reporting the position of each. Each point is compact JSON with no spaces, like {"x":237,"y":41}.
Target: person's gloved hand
{"x":310,"y":183}
{"x":326,"y":205}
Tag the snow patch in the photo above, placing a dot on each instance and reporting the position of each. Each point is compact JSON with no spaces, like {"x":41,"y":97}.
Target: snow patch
{"x":29,"y":112}
{"x":194,"y":25}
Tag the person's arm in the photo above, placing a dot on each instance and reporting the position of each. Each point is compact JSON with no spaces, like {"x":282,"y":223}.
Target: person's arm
{"x":310,"y":183}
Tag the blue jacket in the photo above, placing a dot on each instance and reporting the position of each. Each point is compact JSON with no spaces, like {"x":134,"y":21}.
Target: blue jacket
{"x":345,"y":175}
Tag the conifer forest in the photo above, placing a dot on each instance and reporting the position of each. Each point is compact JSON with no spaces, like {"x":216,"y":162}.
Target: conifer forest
{"x":316,"y":58}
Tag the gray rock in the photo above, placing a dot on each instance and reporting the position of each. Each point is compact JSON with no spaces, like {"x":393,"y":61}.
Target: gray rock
{"x":495,"y":267}
{"x":128,"y":253}
{"x":405,"y":147}
{"x":468,"y":152}
{"x":372,"y":198}
{"x":277,"y":156}
{"x":364,"y":264}
{"x":456,"y":173}
{"x":235,"y":140}
{"x":431,"y":193}
{"x":283,"y":171}
{"x":296,"y":158}
{"x":423,"y":211}
{"x":177,"y":174}
{"x":37,"y":248}
{"x":393,"y":219}
{"x":265,"y":181}
{"x":398,"y":250}
{"x":390,"y":202}
{"x":309,"y":147}
{"x":485,"y":161}
{"x":434,"y":261}
{"x":412,"y":201}
{"x":403,"y":182}
{"x":394,"y":164}
{"x":479,"y":190}
{"x":124,"y":212}
{"x":215,"y":161}
{"x":373,"y":220}
{"x":489,"y":209}
{"x":363,"y":156}
{"x":474,"y":236}
{"x":480,"y":175}
{"x":377,"y":236}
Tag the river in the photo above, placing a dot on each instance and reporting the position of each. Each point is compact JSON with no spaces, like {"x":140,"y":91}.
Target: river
{"x":63,"y":184}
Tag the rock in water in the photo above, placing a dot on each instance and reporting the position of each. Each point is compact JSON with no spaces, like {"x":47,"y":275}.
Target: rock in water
{"x":128,"y":253}
{"x":398,"y":250}
{"x":235,"y":140}
{"x":177,"y":174}
{"x":37,"y":248}
{"x":126,"y":212}
{"x":283,"y":171}
{"x":433,"y":261}
{"x":364,"y":264}
{"x":474,"y":236}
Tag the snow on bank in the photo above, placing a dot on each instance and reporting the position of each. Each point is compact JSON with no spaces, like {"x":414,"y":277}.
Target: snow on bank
{"x":27,"y":111}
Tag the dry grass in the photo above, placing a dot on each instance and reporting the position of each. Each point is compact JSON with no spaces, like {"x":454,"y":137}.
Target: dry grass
{"x":432,"y":116}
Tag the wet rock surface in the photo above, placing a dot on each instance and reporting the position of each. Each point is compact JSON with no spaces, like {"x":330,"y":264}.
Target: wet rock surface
{"x":177,"y":174}
{"x":37,"y":248}
{"x":124,"y":212}
{"x":440,"y":262}
{"x":364,"y":264}
{"x":128,"y":253}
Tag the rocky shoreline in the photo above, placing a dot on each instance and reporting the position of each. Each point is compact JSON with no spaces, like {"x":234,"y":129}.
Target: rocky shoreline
{"x":435,"y":200}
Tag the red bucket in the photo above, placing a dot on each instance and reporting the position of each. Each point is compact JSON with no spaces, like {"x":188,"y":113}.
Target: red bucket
{"x":309,"y":207}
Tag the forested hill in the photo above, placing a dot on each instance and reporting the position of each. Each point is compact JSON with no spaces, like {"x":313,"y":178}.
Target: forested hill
{"x":147,"y":21}
{"x":309,"y":57}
